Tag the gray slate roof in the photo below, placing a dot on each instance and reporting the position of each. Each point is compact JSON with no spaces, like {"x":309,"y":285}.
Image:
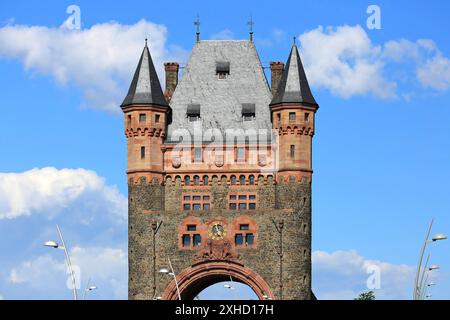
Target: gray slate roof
{"x":221,"y":100}
{"x":145,"y":87}
{"x":293,"y":86}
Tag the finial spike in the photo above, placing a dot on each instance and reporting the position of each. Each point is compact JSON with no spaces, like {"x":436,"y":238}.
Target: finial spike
{"x":146,"y":42}
{"x":250,"y":23}
{"x":197,"y":24}
{"x":295,"y":40}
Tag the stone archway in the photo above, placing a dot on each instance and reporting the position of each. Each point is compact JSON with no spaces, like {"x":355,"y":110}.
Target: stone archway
{"x":194,"y":279}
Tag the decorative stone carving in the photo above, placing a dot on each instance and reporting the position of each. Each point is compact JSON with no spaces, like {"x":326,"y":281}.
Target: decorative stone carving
{"x":217,"y":250}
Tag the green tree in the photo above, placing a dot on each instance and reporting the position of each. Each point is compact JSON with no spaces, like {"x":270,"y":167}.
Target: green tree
{"x":369,"y":295}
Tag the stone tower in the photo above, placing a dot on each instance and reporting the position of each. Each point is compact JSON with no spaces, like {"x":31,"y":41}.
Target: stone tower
{"x":219,"y":179}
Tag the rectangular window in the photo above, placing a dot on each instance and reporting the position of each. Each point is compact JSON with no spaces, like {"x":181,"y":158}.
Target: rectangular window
{"x":252,"y":206}
{"x":249,"y":239}
{"x":187,"y":198}
{"x":186,"y":240}
{"x":129,"y":121}
{"x":206,"y":206}
{"x":279,"y":118}
{"x":242,"y":206}
{"x":142,"y":117}
{"x":197,"y":198}
{"x":197,"y":240}
{"x":239,"y":239}
{"x":142,"y":153}
{"x":198,"y":154}
{"x":233,"y":197}
{"x":187,"y":206}
{"x":157,"y":117}
{"x":291,"y":116}
{"x":242,"y":197}
{"x":252,"y":197}
{"x":232,"y":206}
{"x":191,"y":227}
{"x":197,"y":206}
{"x":292,"y":151}
{"x":240,"y":154}
{"x":244,"y":227}
{"x":205,"y":198}
{"x":306,"y":116}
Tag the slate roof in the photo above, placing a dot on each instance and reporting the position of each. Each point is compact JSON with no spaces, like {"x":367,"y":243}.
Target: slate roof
{"x":145,"y":87}
{"x":221,"y":100}
{"x":293,"y":87}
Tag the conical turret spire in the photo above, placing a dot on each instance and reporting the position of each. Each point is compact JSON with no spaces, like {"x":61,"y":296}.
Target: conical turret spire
{"x":293,"y":87}
{"x":145,"y":87}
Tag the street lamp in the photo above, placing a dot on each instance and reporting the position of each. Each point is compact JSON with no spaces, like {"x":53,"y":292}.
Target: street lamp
{"x":171,"y":273}
{"x":55,"y":245}
{"x":431,"y":284}
{"x":227,"y":286}
{"x":418,"y":282}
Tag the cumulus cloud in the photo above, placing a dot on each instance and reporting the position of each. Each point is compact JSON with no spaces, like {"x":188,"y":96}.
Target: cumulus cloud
{"x":49,"y":191}
{"x":345,"y":61}
{"x":344,"y":274}
{"x":225,"y":34}
{"x":99,"y":60}
{"x":105,"y":267}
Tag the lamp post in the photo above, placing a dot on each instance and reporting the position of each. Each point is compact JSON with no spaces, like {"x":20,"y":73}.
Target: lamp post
{"x":88,"y":288}
{"x":55,"y":245}
{"x":171,"y":273}
{"x":420,"y":273}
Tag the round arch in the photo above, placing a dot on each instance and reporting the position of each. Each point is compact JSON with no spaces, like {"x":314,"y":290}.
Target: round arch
{"x":192,"y":280}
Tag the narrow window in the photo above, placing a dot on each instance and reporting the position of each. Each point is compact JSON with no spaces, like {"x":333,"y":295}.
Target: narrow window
{"x":197,"y":240}
{"x":186,"y":206}
{"x":197,"y":206}
{"x":196,"y":181}
{"x":206,"y":206}
{"x":157,"y":117}
{"x":249,"y":239}
{"x":187,"y":180}
{"x":191,"y":227}
{"x":142,"y":153}
{"x":205,"y":180}
{"x":306,"y":116}
{"x":129,"y":121}
{"x":142,"y":117}
{"x":252,"y":206}
{"x":292,"y":152}
{"x":244,"y":227}
{"x":279,"y":118}
{"x":232,"y":206}
{"x":186,"y":240}
{"x":240,"y":154}
{"x":239,"y":239}
{"x":242,"y":206}
{"x":242,"y":180}
{"x":198,"y":154}
{"x":251,"y":180}
{"x":233,"y":180}
{"x":291,"y":116}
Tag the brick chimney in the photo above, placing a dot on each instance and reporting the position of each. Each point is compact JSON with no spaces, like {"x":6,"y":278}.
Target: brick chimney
{"x":171,"y":69}
{"x":276,"y":71}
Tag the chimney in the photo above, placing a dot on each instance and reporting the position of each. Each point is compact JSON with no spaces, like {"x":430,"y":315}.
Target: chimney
{"x":276,"y":71}
{"x":171,"y":69}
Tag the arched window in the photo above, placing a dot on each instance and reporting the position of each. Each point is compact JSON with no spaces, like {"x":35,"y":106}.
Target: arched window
{"x":233,"y":180}
{"x":187,"y":180}
{"x":251,"y":180}
{"x":205,"y":180}
{"x":242,"y":180}
{"x":196,"y":180}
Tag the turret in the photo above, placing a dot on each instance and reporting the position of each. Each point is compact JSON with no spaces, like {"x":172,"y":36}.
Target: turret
{"x":293,"y":109}
{"x":146,"y":112}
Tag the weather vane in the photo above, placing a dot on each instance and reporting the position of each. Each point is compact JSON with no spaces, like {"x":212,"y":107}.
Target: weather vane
{"x":250,"y":23}
{"x":197,"y":24}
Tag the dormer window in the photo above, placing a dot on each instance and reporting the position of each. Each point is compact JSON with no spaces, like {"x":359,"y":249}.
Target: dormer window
{"x":248,"y":111}
{"x":222,"y":69}
{"x":193,"y":112}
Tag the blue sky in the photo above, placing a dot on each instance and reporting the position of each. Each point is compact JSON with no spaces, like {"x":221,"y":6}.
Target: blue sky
{"x":381,"y":149}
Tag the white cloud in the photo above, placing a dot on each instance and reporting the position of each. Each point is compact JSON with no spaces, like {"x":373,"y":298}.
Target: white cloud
{"x":225,"y":34}
{"x":99,"y":60}
{"x":343,"y":275}
{"x":50,"y":191}
{"x":345,"y":61}
{"x":105,"y":267}
{"x":435,"y":73}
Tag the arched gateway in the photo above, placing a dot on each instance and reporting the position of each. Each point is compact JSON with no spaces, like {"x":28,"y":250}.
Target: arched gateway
{"x":219,"y":173}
